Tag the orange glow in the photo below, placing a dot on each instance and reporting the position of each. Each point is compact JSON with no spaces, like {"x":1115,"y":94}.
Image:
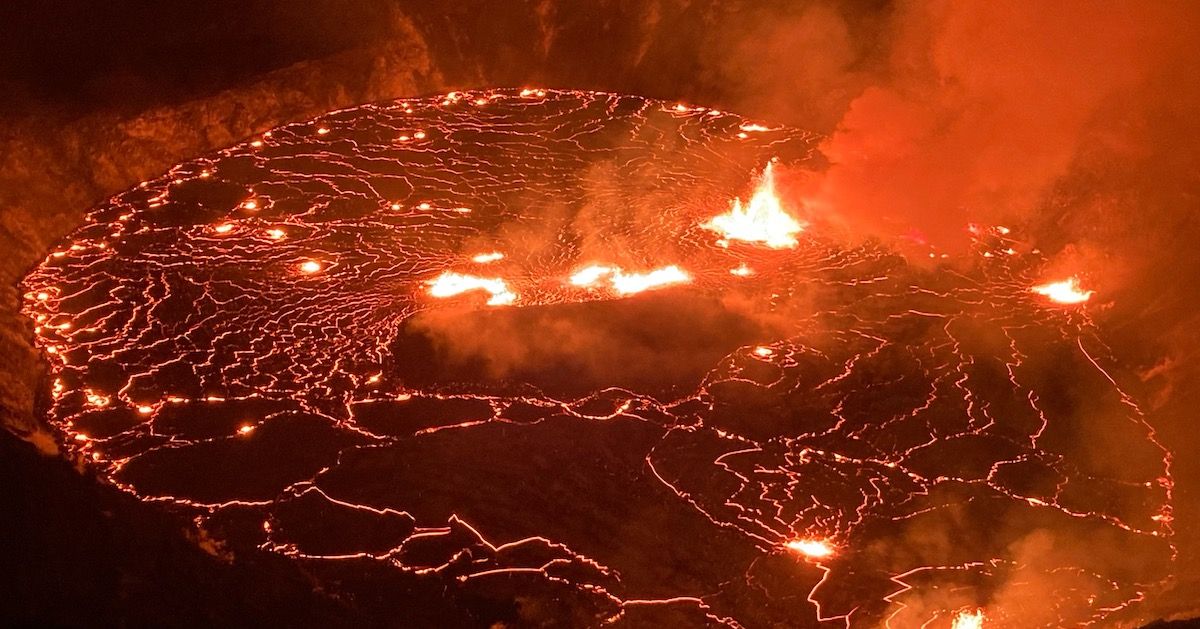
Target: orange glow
{"x":650,"y":248}
{"x":485,"y":258}
{"x":629,"y":283}
{"x":968,"y":620}
{"x":811,"y":548}
{"x":761,"y":220}
{"x":637,"y":282}
{"x":449,"y":284}
{"x":1066,"y":291}
{"x":589,"y":275}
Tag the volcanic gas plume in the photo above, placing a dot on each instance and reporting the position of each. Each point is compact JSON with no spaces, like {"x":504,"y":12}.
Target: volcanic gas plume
{"x":568,"y":347}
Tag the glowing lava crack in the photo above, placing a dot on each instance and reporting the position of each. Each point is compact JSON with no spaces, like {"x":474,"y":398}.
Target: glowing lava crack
{"x":530,"y":345}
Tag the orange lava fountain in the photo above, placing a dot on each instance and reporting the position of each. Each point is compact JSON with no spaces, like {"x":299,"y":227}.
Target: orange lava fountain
{"x":1067,"y":291}
{"x":968,"y":620}
{"x":629,"y":283}
{"x":810,"y":548}
{"x":761,"y":220}
{"x":450,"y":284}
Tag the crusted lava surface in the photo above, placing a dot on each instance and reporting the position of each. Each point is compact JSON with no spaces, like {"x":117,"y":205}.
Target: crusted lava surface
{"x":257,"y":339}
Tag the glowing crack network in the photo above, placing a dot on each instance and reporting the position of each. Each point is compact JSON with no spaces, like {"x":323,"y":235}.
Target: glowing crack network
{"x":879,"y":445}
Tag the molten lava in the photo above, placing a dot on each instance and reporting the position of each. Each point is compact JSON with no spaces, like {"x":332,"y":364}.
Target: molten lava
{"x":236,"y":347}
{"x":487,"y":258}
{"x":968,"y":620}
{"x":450,"y":284}
{"x":810,"y":548}
{"x":761,"y":220}
{"x":589,"y":275}
{"x":1066,"y":291}
{"x":629,"y":283}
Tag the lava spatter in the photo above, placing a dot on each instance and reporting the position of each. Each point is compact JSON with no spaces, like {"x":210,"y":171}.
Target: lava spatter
{"x":488,"y":343}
